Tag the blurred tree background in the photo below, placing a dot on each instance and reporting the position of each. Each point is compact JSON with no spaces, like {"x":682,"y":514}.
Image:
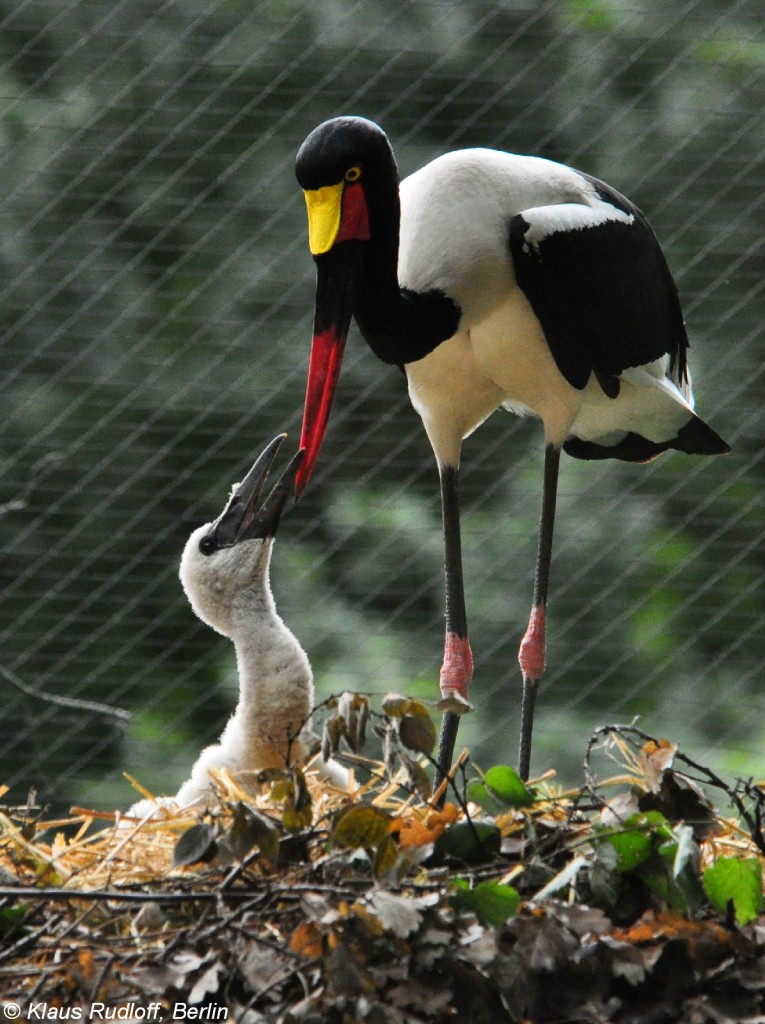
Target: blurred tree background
{"x":156,"y":295}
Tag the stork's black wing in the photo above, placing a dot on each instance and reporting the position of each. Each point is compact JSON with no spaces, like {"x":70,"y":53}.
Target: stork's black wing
{"x":600,"y":286}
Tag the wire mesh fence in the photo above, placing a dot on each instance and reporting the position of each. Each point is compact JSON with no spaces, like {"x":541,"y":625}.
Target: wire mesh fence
{"x":156,"y":297}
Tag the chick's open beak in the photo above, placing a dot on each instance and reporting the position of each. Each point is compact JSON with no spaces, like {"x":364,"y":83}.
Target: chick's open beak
{"x":242,"y":519}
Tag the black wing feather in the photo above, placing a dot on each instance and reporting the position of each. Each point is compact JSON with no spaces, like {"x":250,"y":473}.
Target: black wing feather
{"x":603,"y":294}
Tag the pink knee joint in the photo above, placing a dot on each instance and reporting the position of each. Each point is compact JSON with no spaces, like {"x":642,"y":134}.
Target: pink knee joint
{"x":531,"y":655}
{"x":457,"y":669}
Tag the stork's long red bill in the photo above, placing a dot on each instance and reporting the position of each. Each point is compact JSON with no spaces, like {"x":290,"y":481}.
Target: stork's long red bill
{"x":323,"y":372}
{"x":336,"y":273}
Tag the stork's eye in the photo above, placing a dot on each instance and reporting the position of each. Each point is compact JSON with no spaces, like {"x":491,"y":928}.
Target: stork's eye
{"x":207,"y":544}
{"x":353,"y":173}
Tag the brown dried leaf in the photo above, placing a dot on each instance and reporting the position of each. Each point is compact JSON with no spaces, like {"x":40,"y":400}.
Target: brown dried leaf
{"x":417,"y":778}
{"x":306,"y":940}
{"x":387,"y":859}
{"x":298,"y":806}
{"x":361,"y":825}
{"x":653,"y":760}
{"x":353,"y":710}
{"x":251,"y":829}
{"x":333,"y":732}
{"x":427,"y":999}
{"x":416,"y":729}
{"x":262,"y":967}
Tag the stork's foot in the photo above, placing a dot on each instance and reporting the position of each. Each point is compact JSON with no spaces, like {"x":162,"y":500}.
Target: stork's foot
{"x":454,"y":704}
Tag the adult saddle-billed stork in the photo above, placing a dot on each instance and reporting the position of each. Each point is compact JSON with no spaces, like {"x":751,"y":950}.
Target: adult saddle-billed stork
{"x":495,"y":280}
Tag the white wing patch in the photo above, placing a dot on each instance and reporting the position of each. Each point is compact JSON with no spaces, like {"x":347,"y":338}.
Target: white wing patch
{"x":544,"y":221}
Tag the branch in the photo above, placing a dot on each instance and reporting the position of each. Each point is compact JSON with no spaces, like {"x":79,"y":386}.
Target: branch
{"x":35,"y":474}
{"x":65,"y":702}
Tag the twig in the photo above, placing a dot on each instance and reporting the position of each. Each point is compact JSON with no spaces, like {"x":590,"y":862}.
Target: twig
{"x":117,"y":895}
{"x":228,"y":920}
{"x":28,"y":940}
{"x":107,"y":966}
{"x":181,"y":935}
{"x":448,"y":780}
{"x":754,"y":821}
{"x":192,"y":896}
{"x":64,"y":702}
{"x":35,"y":474}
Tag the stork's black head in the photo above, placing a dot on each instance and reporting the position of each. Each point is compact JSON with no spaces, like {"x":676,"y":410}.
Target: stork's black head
{"x":348,"y":173}
{"x":341,"y":146}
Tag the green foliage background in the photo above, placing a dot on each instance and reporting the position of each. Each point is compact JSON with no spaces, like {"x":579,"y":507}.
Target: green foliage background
{"x":156,"y":299}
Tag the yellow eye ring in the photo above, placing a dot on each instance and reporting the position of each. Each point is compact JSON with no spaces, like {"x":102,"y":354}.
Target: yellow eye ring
{"x":353,"y":173}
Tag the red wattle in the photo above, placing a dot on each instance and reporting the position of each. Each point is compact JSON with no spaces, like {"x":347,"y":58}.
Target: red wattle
{"x":354,"y":220}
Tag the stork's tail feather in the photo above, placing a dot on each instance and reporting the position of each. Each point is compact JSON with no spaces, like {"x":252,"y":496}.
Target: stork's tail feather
{"x":695,"y":438}
{"x":698,"y":438}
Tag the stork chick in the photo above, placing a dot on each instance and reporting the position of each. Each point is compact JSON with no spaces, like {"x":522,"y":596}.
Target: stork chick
{"x":225,"y":574}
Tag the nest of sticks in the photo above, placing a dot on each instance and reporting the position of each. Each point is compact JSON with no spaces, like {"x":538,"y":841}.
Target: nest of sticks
{"x":292,"y":901}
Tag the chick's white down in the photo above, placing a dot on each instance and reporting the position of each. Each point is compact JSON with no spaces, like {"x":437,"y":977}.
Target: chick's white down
{"x":230,"y":590}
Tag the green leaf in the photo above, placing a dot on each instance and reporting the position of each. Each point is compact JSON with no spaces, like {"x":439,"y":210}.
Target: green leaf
{"x":507,"y":784}
{"x":492,"y":902}
{"x":197,"y":843}
{"x":636,"y":841}
{"x":681,"y":892}
{"x":11,"y":918}
{"x":730,"y":878}
{"x":477,"y":792}
{"x":633,"y":848}
{"x":470,"y":842}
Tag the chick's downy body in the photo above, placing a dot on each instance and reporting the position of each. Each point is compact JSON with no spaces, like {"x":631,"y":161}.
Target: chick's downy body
{"x":230,"y":591}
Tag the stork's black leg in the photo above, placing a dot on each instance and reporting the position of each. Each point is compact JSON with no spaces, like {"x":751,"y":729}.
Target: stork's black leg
{"x":457,"y":669}
{"x":532,"y":652}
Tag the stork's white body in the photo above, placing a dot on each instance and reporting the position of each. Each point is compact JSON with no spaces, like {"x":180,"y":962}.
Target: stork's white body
{"x":499,"y":356}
